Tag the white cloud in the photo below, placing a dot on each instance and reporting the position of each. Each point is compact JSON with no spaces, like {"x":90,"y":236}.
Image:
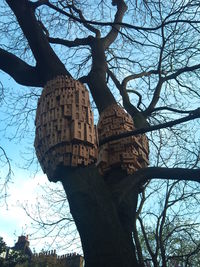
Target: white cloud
{"x":13,"y":221}
{"x":14,"y":218}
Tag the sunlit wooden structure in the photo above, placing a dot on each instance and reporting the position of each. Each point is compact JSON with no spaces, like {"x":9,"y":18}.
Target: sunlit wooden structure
{"x":65,"y":131}
{"x":130,"y":153}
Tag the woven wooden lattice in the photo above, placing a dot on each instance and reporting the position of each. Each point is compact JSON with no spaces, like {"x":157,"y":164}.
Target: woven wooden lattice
{"x":65,"y":131}
{"x":130,"y":153}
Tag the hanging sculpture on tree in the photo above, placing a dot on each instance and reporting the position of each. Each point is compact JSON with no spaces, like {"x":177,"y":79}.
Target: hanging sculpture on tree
{"x":65,"y":131}
{"x":129,"y":153}
{"x":66,"y":134}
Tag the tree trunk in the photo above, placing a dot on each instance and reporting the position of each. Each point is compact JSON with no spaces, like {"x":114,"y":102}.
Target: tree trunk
{"x":97,"y":83}
{"x":48,"y":64}
{"x":104,"y":239}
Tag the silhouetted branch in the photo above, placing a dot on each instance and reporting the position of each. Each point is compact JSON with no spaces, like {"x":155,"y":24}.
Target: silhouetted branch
{"x":76,"y":42}
{"x":112,"y":35}
{"x":4,"y":181}
{"x":48,"y":64}
{"x":122,"y":24}
{"x":19,"y":70}
{"x":174,"y":75}
{"x":142,"y":175}
{"x":172,"y":110}
{"x":86,"y":25}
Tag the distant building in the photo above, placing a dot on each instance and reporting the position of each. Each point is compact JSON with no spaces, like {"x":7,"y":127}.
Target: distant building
{"x":23,"y":245}
{"x":45,"y":259}
{"x":51,"y":259}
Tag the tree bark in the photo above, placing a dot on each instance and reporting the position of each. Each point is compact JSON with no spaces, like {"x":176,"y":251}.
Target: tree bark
{"x":97,"y":76}
{"x":48,"y":64}
{"x":106,"y":239}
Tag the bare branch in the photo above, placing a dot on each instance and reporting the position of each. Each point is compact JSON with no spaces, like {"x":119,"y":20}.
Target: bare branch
{"x":112,"y":35}
{"x":123,"y":92}
{"x":158,"y":88}
{"x":156,"y":95}
{"x":19,"y":70}
{"x":142,"y":175}
{"x":138,"y":75}
{"x":40,"y":220}
{"x":182,"y":70}
{"x":155,"y":98}
{"x":172,"y":109}
{"x":138,"y":116}
{"x":7,"y":179}
{"x":86,"y":25}
{"x":136,"y":93}
{"x":42,"y":51}
{"x":39,"y":3}
{"x":135,"y":76}
{"x":147,"y":241}
{"x":76,"y":42}
{"x":122,"y":24}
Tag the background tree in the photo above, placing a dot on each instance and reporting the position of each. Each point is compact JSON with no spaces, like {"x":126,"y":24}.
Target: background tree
{"x":168,"y":234}
{"x":5,"y":175}
{"x":2,"y":250}
{"x":10,"y":257}
{"x":149,"y":63}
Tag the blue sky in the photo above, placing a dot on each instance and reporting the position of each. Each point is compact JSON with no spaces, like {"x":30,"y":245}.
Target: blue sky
{"x":13,"y":219}
{"x":24,"y":186}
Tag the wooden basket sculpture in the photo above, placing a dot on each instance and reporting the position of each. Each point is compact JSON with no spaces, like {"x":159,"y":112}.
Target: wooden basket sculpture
{"x":65,"y":131}
{"x":130,"y":153}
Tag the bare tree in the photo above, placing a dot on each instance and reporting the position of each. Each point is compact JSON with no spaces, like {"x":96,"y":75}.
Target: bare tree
{"x":168,"y":234}
{"x":51,"y":221}
{"x":5,"y":175}
{"x":142,"y":54}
